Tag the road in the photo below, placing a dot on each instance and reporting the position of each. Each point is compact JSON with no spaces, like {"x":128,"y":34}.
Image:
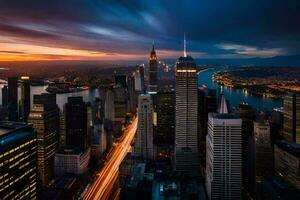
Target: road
{"x":101,"y":188}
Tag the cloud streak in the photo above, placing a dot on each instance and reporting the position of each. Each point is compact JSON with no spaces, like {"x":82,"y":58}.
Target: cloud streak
{"x":103,"y":29}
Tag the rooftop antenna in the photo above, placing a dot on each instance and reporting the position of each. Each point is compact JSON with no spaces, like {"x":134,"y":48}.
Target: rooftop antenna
{"x":184,"y":46}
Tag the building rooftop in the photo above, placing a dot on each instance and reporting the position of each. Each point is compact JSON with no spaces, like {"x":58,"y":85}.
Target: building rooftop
{"x":8,"y":127}
{"x":224,"y":115}
{"x":290,"y":147}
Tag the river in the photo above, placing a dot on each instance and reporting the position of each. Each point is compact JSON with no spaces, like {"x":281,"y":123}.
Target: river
{"x":236,"y":96}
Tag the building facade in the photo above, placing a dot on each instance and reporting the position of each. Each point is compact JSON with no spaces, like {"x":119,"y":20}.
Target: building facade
{"x":186,"y":107}
{"x":76,"y":123}
{"x":13,"y":99}
{"x":291,"y":118}
{"x":287,"y":161}
{"x":263,"y":150}
{"x":18,"y":161}
{"x":144,"y":140}
{"x":25,"y":98}
{"x":44,"y":117}
{"x":223,"y":156}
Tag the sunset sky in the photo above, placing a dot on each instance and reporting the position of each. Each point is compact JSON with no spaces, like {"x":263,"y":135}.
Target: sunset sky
{"x":32,"y":30}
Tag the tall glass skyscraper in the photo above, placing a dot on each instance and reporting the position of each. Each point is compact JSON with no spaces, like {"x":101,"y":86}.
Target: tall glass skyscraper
{"x":45,"y":119}
{"x":186,"y":97}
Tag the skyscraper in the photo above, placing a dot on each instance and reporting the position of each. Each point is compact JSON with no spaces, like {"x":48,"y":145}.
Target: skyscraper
{"x":25,"y":98}
{"x":76,"y":123}
{"x":13,"y":99}
{"x":44,"y":117}
{"x":18,"y":161}
{"x":165,"y":134}
{"x":291,"y":118}
{"x":142,"y":74}
{"x":223,"y":156}
{"x":186,"y":97}
{"x":144,"y":142}
{"x":153,"y":71}
{"x":263,"y":151}
{"x":248,"y":115}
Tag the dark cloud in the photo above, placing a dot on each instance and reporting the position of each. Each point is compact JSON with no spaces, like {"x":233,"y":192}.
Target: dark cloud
{"x":131,"y":25}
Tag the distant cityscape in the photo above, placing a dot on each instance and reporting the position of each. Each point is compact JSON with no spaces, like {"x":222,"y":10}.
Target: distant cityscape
{"x":149,"y":100}
{"x":152,"y":132}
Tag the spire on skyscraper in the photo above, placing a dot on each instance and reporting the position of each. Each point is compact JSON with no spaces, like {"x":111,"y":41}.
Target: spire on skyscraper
{"x":223,"y":109}
{"x":184,"y":46}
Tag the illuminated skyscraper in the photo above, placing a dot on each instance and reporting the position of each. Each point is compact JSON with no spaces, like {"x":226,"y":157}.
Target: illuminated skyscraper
{"x":186,"y":97}
{"x":44,"y":117}
{"x":18,"y":161}
{"x":13,"y":99}
{"x":223,"y":156}
{"x":144,"y":142}
{"x":291,"y":118}
{"x":153,"y":72}
{"x":25,"y":98}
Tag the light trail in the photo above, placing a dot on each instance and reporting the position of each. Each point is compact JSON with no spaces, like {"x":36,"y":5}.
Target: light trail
{"x":101,"y":188}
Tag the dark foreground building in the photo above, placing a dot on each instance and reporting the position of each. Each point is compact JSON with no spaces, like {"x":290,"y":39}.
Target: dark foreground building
{"x":18,"y":161}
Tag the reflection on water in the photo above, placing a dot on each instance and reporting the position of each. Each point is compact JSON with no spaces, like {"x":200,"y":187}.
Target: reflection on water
{"x":236,"y":96}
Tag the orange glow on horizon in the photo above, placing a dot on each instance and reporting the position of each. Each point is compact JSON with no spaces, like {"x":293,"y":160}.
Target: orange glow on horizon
{"x":17,"y":52}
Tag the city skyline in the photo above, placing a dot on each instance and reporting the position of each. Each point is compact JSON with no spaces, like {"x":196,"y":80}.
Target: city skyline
{"x":100,"y":30}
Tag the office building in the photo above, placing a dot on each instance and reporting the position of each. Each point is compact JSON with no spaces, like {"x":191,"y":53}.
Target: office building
{"x":287,"y":161}
{"x":62,"y":129}
{"x":18,"y":161}
{"x":71,"y":161}
{"x":25,"y":98}
{"x":248,"y":115}
{"x":5,"y":96}
{"x":44,"y":117}
{"x":223,"y":156}
{"x":165,"y":133}
{"x":76,"y":123}
{"x":132,"y":99}
{"x":291,"y":118}
{"x":263,"y":150}
{"x":13,"y":99}
{"x":153,"y":72}
{"x":186,"y":107}
{"x":144,"y":140}
{"x":137,"y":81}
{"x":120,"y":106}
